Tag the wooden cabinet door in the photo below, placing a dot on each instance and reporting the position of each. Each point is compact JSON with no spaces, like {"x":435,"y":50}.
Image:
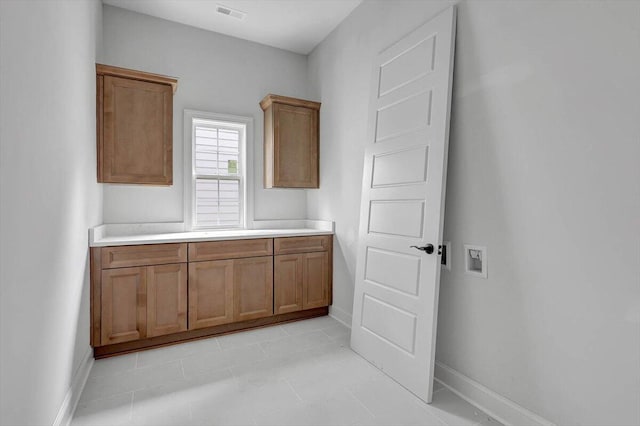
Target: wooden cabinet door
{"x":136,"y":140}
{"x":123,"y":307}
{"x":210,"y":293}
{"x":253,"y":287}
{"x":287,"y":285}
{"x":315,"y":288}
{"x":166,"y":299}
{"x":295,"y":145}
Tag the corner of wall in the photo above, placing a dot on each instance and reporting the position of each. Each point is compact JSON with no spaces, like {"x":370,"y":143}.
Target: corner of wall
{"x":70,"y":402}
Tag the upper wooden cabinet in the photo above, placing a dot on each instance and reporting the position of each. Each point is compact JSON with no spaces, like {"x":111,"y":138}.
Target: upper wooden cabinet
{"x":134,"y":117}
{"x":291,"y":142}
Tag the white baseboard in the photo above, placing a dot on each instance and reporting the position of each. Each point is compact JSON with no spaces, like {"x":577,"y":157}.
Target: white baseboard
{"x":340,"y":315}
{"x":65,"y":413}
{"x":497,"y":406}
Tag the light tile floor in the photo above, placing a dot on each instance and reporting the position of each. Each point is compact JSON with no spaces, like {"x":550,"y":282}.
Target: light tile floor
{"x":301,"y":373}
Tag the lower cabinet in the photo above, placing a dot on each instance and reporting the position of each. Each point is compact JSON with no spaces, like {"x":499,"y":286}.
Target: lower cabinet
{"x":149,"y":295}
{"x":224,"y":291}
{"x":302,"y":280}
{"x":143,"y":302}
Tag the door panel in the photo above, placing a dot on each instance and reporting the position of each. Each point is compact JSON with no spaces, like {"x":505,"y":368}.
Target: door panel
{"x":137,"y":131}
{"x":210,"y":293}
{"x":405,"y":116}
{"x":409,"y":66}
{"x":166,"y":299}
{"x":253,"y":287}
{"x":315,"y":289}
{"x":402,"y":218}
{"x":396,"y":288}
{"x":399,"y":271}
{"x":287,"y":285}
{"x":400,"y":167}
{"x":296,"y":146}
{"x":123,"y":313}
{"x":395,"y":325}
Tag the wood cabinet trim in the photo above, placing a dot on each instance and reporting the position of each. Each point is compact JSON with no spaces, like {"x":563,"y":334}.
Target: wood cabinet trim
{"x":100,"y":125}
{"x":290,"y":245}
{"x":270,"y":99}
{"x":268,"y":148}
{"x":95,"y":265}
{"x":102,"y":69}
{"x":230,"y":249}
{"x":190,"y":335}
{"x":146,"y":255}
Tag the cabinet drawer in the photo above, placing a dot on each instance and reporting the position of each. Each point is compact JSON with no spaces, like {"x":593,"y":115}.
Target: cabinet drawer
{"x":233,"y":249}
{"x":153,"y":254}
{"x":302,"y":244}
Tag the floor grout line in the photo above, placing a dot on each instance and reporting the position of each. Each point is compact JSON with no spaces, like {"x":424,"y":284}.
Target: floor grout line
{"x":131,"y":407}
{"x":293,"y":389}
{"x":361,"y":403}
{"x":242,"y":373}
{"x":184,"y":375}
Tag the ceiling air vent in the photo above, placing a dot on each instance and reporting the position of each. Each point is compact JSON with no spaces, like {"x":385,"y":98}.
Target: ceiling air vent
{"x":230,"y":12}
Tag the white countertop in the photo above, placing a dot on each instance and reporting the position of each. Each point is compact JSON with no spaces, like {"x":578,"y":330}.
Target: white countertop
{"x":100,"y":236}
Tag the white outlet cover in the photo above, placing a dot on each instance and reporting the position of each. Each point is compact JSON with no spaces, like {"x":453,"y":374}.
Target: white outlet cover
{"x":468,"y":266}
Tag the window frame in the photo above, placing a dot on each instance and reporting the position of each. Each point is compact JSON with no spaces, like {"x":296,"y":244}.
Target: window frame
{"x":245,"y":167}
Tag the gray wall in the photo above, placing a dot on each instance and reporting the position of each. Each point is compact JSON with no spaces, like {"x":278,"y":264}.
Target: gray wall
{"x":216,"y":74}
{"x":543,"y":170}
{"x":48,"y":199}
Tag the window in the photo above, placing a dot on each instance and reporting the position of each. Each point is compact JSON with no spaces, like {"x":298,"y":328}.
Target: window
{"x":216,"y":176}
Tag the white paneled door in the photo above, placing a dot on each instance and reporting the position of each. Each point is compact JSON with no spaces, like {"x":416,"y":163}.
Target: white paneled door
{"x":396,"y":292}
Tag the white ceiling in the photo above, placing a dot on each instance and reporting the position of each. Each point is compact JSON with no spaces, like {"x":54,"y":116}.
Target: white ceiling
{"x":295,"y":25}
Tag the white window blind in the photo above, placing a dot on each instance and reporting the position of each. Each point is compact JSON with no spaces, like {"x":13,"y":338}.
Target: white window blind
{"x":218,"y":174}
